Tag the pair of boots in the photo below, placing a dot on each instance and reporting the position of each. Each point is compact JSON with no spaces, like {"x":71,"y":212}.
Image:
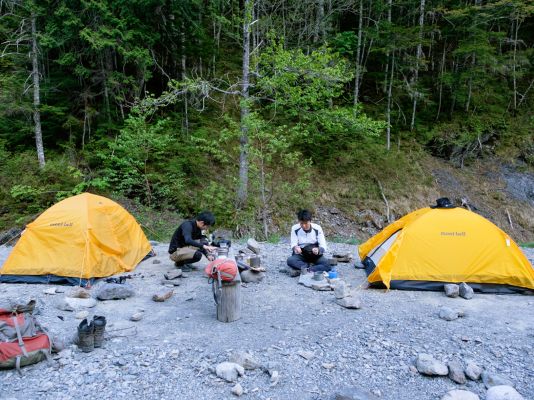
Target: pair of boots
{"x":91,"y":335}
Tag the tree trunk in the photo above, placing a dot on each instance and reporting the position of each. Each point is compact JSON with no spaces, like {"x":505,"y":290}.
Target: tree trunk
{"x":36,"y":96}
{"x":388,"y":135}
{"x":470,"y":84}
{"x":242,"y":191}
{"x":514,"y":66}
{"x":183,"y":66}
{"x":358,"y":57}
{"x":441,"y":71}
{"x":418,"y":59}
{"x":319,"y":32}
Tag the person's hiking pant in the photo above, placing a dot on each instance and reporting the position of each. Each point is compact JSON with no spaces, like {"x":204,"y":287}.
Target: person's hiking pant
{"x":298,"y":261}
{"x":186,"y":255}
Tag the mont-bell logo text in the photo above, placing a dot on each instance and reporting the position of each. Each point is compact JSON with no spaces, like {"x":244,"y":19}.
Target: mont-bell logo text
{"x":453,"y":233}
{"x":61,"y":224}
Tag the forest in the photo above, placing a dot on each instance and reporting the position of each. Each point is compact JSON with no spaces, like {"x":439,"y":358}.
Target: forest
{"x":254,"y":108}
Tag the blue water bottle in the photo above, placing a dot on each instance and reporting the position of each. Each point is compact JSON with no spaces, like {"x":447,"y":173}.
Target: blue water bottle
{"x":332,"y":274}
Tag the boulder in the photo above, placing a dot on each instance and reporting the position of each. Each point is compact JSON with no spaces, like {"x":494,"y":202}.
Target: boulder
{"x":466,"y":291}
{"x":249,"y":276}
{"x":503,"y":392}
{"x":114,"y":291}
{"x":253,"y":246}
{"x":427,"y":365}
{"x":451,"y":290}
{"x":460,"y":395}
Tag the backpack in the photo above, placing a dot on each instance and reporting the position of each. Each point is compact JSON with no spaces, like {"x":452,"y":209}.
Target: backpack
{"x":23,"y":341}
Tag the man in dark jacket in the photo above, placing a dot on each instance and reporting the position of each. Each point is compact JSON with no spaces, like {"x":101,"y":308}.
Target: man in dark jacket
{"x":188,"y":244}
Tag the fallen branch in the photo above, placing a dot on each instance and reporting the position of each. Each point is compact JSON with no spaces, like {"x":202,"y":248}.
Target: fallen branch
{"x":385,"y":200}
{"x":509,"y":218}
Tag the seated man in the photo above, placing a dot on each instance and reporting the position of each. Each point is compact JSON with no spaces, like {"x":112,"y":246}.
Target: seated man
{"x":188,"y":244}
{"x":308,"y":244}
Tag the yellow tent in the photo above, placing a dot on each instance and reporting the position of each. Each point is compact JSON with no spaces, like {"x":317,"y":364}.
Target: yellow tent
{"x":79,"y":238}
{"x":432,"y":246}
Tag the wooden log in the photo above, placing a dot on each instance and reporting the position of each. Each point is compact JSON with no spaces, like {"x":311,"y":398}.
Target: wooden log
{"x":229,"y":301}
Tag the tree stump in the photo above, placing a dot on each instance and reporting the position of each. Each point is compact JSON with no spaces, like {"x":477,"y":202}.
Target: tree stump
{"x":229,"y":301}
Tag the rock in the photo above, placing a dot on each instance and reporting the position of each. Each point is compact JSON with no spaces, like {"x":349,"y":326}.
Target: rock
{"x":491,"y":379}
{"x":340,"y":289}
{"x":448,"y":314}
{"x":253,"y":246}
{"x":246,"y":360}
{"x":275,"y":377}
{"x":427,"y":365}
{"x":473,"y":371}
{"x":350,"y":302}
{"x":354,"y":394}
{"x":79,"y":293}
{"x":50,"y":291}
{"x":173,"y":274}
{"x":64,"y":306}
{"x":138,"y":316}
{"x":82,"y":314}
{"x":323,"y":285}
{"x":503,"y":392}
{"x":306,"y":354}
{"x":162,"y":296}
{"x":451,"y":290}
{"x":466,"y":291}
{"x":114,"y":291}
{"x":229,"y":371}
{"x":328,"y":366}
{"x":307,"y":280}
{"x":237,"y":390}
{"x":76,"y":303}
{"x":249,"y":276}
{"x":460,"y":395}
{"x":156,"y":261}
{"x":170,"y":283}
{"x":456,"y":372}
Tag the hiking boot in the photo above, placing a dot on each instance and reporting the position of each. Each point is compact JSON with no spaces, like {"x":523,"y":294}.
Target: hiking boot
{"x":99,"y":327}
{"x":294,"y":272}
{"x":86,"y":336}
{"x":187,"y":268}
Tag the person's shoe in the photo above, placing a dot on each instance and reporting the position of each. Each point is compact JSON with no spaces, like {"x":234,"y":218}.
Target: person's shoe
{"x":99,"y":323}
{"x":86,"y":336}
{"x":187,"y":268}
{"x":294,"y":272}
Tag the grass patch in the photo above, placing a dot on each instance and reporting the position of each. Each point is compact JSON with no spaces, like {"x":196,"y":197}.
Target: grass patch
{"x":344,"y":240}
{"x":530,"y":245}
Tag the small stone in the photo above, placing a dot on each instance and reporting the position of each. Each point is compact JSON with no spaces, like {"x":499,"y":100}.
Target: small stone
{"x":466,"y":291}
{"x":427,"y":365}
{"x":79,"y":293}
{"x":138,"y":316}
{"x":162,"y":296}
{"x":451,"y":290}
{"x":340,"y":290}
{"x":81,"y":314}
{"x":491,"y":379}
{"x":473,"y":371}
{"x":77,"y":303}
{"x":246,"y":360}
{"x":229,"y":371}
{"x":253,"y":246}
{"x":503,"y":392}
{"x":173,"y":274}
{"x":456,"y":372}
{"x":114,"y":291}
{"x":64,"y":306}
{"x":328,"y":366}
{"x":354,"y":394}
{"x":323,"y":286}
{"x":275,"y":377}
{"x":237,"y":390}
{"x":460,"y":395}
{"x":350,"y":302}
{"x":168,"y":283}
{"x":50,"y":291}
{"x":448,"y":314}
{"x":156,"y":261}
{"x":306,"y":354}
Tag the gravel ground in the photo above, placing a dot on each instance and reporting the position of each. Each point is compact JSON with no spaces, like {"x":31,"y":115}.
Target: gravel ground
{"x":317,"y":347}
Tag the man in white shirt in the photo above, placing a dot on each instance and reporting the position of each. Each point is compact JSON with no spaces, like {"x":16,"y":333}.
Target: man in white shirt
{"x":308,"y":244}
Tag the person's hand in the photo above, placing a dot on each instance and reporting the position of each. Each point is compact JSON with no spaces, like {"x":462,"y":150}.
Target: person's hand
{"x":209,"y":249}
{"x":297,"y":250}
{"x":210,"y":257}
{"x":315,"y":250}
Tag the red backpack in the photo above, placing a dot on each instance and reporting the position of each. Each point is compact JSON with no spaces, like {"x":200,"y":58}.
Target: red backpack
{"x":222,"y":269}
{"x":23,"y":341}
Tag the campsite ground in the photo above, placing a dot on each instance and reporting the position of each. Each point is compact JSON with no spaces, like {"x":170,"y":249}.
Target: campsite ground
{"x":317,"y":347}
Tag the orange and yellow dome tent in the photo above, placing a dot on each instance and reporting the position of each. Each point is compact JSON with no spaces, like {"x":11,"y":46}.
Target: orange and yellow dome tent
{"x":432,"y":246}
{"x":76,"y":240}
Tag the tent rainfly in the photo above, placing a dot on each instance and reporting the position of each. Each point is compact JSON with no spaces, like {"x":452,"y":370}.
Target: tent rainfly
{"x":76,"y":240}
